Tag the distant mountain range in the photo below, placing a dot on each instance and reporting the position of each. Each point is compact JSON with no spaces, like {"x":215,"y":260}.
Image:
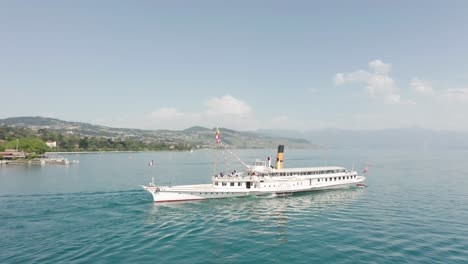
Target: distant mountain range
{"x":204,"y":137}
{"x":196,"y":136}
{"x":411,"y":138}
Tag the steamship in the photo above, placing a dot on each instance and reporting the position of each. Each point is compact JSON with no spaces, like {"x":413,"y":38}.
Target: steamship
{"x":258,"y":179}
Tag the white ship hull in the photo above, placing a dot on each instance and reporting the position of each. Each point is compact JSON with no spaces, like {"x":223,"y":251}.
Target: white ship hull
{"x":257,"y":186}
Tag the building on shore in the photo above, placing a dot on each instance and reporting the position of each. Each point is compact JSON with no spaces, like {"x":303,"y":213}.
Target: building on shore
{"x":51,"y":144}
{"x":13,"y":154}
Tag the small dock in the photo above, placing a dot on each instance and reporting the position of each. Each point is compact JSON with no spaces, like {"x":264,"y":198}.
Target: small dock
{"x":40,"y":161}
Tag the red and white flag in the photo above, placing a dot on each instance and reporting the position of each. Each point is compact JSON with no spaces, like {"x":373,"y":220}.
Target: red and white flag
{"x":365,"y":171}
{"x":218,"y":136}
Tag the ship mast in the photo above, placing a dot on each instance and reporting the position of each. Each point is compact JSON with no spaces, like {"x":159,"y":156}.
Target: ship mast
{"x":225,"y":148}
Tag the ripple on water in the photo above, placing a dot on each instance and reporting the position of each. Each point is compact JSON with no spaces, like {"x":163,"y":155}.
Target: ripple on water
{"x":342,"y":226}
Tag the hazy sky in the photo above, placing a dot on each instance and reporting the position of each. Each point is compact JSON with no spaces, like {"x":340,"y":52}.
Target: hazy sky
{"x":239,"y":64}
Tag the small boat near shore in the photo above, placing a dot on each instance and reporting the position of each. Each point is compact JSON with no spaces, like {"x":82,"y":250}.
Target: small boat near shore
{"x":57,"y":160}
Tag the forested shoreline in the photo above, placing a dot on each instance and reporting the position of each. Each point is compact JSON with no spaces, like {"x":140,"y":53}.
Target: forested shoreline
{"x":30,"y":140}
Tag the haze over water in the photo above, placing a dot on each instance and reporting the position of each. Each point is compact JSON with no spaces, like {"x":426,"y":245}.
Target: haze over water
{"x":413,"y":210}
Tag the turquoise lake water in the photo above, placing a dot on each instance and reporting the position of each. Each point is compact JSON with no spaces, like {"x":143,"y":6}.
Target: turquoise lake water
{"x":413,"y":210}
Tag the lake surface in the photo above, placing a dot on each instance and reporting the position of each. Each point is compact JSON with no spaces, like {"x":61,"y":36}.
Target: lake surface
{"x":413,"y":210}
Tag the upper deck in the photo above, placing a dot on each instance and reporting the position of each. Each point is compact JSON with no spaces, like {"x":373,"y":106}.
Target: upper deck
{"x":260,"y":167}
{"x":259,"y":170}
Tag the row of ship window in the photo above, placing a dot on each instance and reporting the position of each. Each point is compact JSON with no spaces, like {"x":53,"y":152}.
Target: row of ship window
{"x":231,"y":184}
{"x":326,"y":179}
{"x":320,"y":179}
{"x":212,"y":193}
{"x":337,"y":178}
{"x":297,"y":173}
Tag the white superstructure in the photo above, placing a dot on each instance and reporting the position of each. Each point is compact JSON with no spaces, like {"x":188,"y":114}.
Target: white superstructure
{"x":260,"y":179}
